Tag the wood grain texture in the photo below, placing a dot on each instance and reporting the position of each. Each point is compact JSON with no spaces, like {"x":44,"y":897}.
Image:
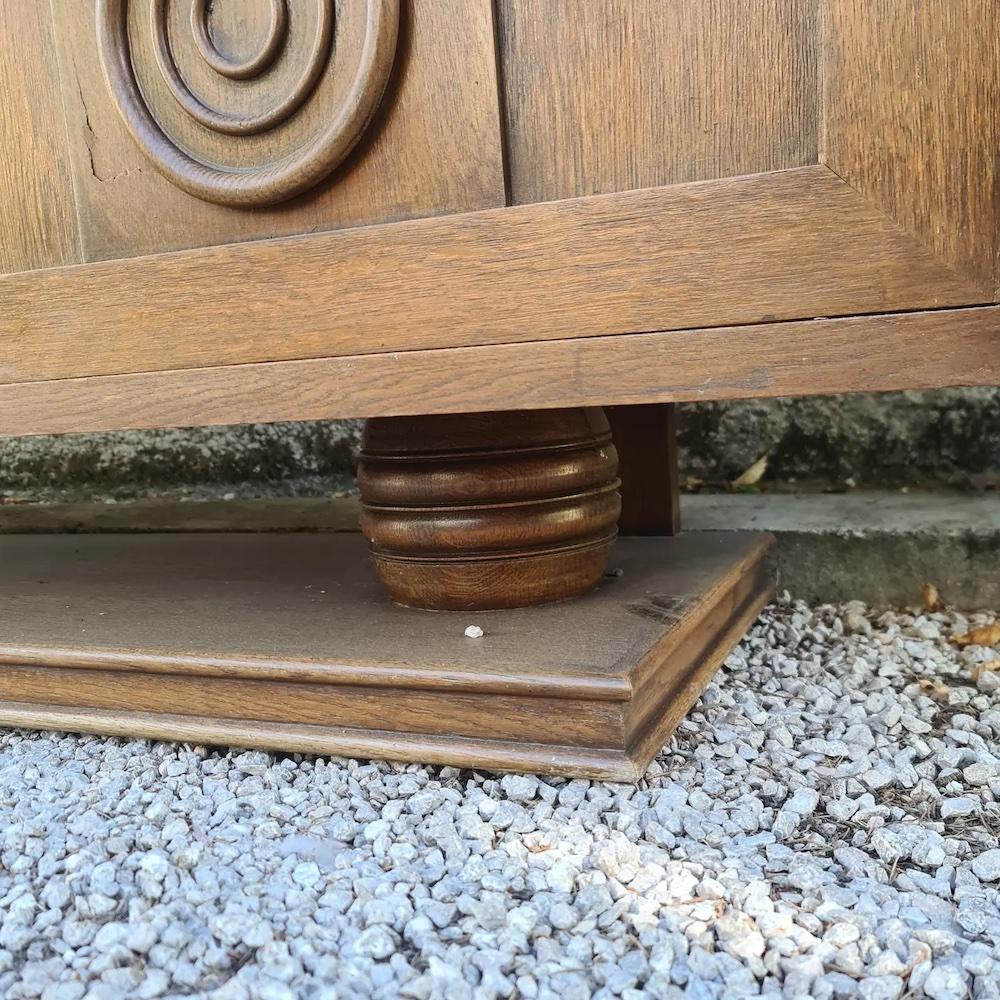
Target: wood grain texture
{"x":38,"y":226}
{"x":489,"y":510}
{"x":286,"y":641}
{"x":604,"y":764}
{"x":797,"y":243}
{"x":645,"y":437}
{"x":664,"y":696}
{"x":912,"y":120}
{"x":637,"y":93}
{"x":867,"y":353}
{"x":142,"y":51}
{"x":433,"y":148}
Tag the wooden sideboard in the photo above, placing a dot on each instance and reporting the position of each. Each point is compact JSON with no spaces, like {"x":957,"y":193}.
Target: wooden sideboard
{"x":261,"y":210}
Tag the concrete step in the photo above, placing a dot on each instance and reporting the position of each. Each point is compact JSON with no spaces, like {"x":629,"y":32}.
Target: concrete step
{"x":876,"y":547}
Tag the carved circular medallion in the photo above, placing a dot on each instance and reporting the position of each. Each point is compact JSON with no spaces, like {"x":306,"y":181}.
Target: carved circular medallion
{"x":246,"y":102}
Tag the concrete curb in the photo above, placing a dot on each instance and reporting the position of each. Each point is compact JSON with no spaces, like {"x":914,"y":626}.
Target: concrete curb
{"x":875,"y":547}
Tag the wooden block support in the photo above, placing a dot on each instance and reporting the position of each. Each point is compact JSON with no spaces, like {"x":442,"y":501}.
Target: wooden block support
{"x":287,"y":641}
{"x":645,"y":436}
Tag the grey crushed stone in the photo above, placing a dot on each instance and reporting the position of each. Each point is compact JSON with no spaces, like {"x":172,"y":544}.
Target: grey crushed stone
{"x":824,"y":824}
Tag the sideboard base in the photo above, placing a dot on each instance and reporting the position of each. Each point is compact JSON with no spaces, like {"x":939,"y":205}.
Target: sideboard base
{"x":287,"y":642}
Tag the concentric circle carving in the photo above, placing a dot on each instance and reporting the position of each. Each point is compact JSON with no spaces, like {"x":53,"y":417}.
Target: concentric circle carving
{"x":256,"y":126}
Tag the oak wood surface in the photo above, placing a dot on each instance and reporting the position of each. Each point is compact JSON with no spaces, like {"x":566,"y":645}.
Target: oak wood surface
{"x":912,"y":120}
{"x":645,"y":437}
{"x":197,"y":598}
{"x":489,"y":510}
{"x":238,"y":131}
{"x":636,"y":93}
{"x":38,"y":226}
{"x":585,"y":724}
{"x":870,"y":353}
{"x":603,"y":764}
{"x":662,"y":702}
{"x":433,"y":148}
{"x":796,"y":243}
{"x":270,"y":640}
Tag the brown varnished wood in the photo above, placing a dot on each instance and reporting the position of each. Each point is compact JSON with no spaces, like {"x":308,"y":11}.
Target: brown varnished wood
{"x":433,"y":148}
{"x":775,"y":246}
{"x":661,"y":703}
{"x":912,"y":120}
{"x":604,"y":764}
{"x":922,"y":350}
{"x":38,"y":226}
{"x":645,"y":438}
{"x":125,"y":633}
{"x":489,"y":510}
{"x":857,"y":183}
{"x":635,"y":93}
{"x":254,"y":178}
{"x":579,"y":724}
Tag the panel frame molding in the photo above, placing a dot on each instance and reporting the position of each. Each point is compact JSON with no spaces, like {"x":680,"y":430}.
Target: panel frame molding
{"x":788,"y":245}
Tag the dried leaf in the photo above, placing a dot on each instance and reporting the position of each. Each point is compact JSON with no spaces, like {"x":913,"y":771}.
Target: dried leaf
{"x":754,"y":474}
{"x":985,"y":635}
{"x":934,"y":690}
{"x":930,"y":598}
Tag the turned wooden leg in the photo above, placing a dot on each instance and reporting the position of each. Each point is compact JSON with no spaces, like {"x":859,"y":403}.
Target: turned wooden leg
{"x":481,"y":511}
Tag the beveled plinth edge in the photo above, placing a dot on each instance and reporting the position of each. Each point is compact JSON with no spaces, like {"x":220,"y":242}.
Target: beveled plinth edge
{"x":589,"y":688}
{"x":481,"y":754}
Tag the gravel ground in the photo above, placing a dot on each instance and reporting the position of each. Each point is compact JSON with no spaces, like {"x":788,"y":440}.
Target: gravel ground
{"x":824,"y":824}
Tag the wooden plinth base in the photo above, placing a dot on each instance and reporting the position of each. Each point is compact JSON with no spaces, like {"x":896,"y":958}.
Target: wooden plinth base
{"x":287,"y":641}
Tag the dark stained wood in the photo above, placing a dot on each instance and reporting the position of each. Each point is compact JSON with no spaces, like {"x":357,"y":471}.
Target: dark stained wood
{"x":433,"y":148}
{"x":617,"y":94}
{"x":912,"y":120}
{"x":645,"y":438}
{"x":489,"y":510}
{"x":796,"y":243}
{"x":287,"y":641}
{"x":869,"y":353}
{"x":37,"y":211}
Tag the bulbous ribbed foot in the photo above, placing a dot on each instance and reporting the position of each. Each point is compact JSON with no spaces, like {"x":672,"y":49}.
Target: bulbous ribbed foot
{"x":481,"y":511}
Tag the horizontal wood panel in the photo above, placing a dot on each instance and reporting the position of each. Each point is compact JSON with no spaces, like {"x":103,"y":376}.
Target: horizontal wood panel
{"x":602,"y":764}
{"x":797,"y":243}
{"x":617,"y":94}
{"x":120,"y":600}
{"x":581,"y":723}
{"x":901,"y":351}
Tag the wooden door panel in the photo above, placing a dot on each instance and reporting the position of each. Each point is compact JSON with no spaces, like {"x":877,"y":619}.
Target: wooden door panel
{"x":912,"y":121}
{"x":768,"y":165}
{"x":433,"y":148}
{"x":899,"y":98}
{"x":37,"y":213}
{"x":606,"y":95}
